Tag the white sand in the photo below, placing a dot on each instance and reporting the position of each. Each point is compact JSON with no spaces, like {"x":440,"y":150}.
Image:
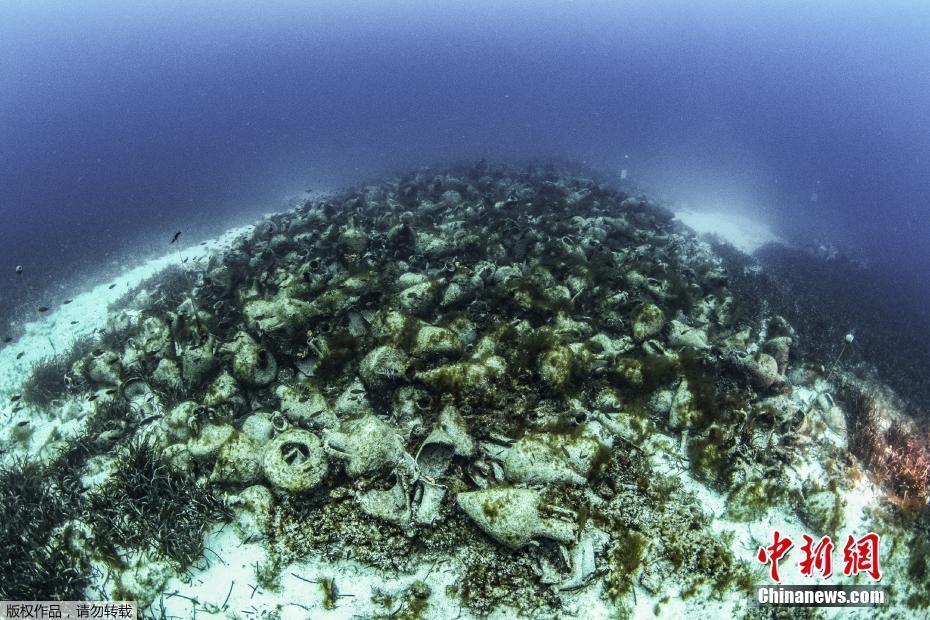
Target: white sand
{"x":744,"y":234}
{"x":231,"y":573}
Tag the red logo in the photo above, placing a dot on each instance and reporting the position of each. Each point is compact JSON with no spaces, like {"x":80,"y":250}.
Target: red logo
{"x":774,"y":552}
{"x":817,"y":557}
{"x":860,"y":555}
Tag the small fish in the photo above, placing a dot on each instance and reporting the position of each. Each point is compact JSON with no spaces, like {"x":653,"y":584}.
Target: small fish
{"x":20,"y":354}
{"x":8,"y":339}
{"x":18,"y":408}
{"x":115,"y":360}
{"x":15,"y":397}
{"x":203,"y":243}
{"x":91,"y":398}
{"x":67,"y":301}
{"x":176,"y":236}
{"x":74,"y":322}
{"x":111,"y":391}
{"x":151,"y":418}
{"x":112,"y":286}
{"x":184,"y":260}
{"x":97,"y":352}
{"x":42,"y":308}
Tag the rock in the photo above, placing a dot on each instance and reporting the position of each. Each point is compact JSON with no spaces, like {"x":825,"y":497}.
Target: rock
{"x":179,"y":458}
{"x":253,"y":506}
{"x":258,"y":428}
{"x":332,"y":302}
{"x":353,"y":402}
{"x":432,"y":342}
{"x":511,"y":516}
{"x":780,"y":349}
{"x":282,"y":315}
{"x":154,"y":338}
{"x":544,"y":458}
{"x":433,"y":459}
{"x":304,"y":406}
{"x":406,"y":280}
{"x":608,"y":348}
{"x":433,"y":246}
{"x":418,"y":298}
{"x":682,"y":411}
{"x":104,"y":369}
{"x":167,"y":375}
{"x":383,"y":368}
{"x":681,"y":335}
{"x":555,"y":367}
{"x":475,"y":376}
{"x":179,"y":420}
{"x":661,"y":401}
{"x":251,"y":363}
{"x":367,"y":445}
{"x":197,"y":363}
{"x":206,"y":444}
{"x":393,"y":326}
{"x":391,"y":505}
{"x":456,"y":294}
{"x":353,"y":240}
{"x":763,"y":371}
{"x":221,"y":280}
{"x":294,"y":461}
{"x":648,"y":321}
{"x":237,"y":462}
{"x":223,"y":392}
{"x":142,"y":401}
{"x":453,"y":425}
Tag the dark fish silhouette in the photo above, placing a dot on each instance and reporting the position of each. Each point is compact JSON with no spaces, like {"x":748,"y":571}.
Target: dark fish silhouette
{"x":8,"y":339}
{"x":112,"y":285}
{"x":74,"y":322}
{"x":43,"y":308}
{"x":20,"y":354}
{"x":15,"y":397}
{"x":67,"y":301}
{"x":92,"y":398}
{"x":175,"y":237}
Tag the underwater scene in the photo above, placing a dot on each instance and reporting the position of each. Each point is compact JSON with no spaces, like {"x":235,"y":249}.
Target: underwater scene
{"x":604,"y":310}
